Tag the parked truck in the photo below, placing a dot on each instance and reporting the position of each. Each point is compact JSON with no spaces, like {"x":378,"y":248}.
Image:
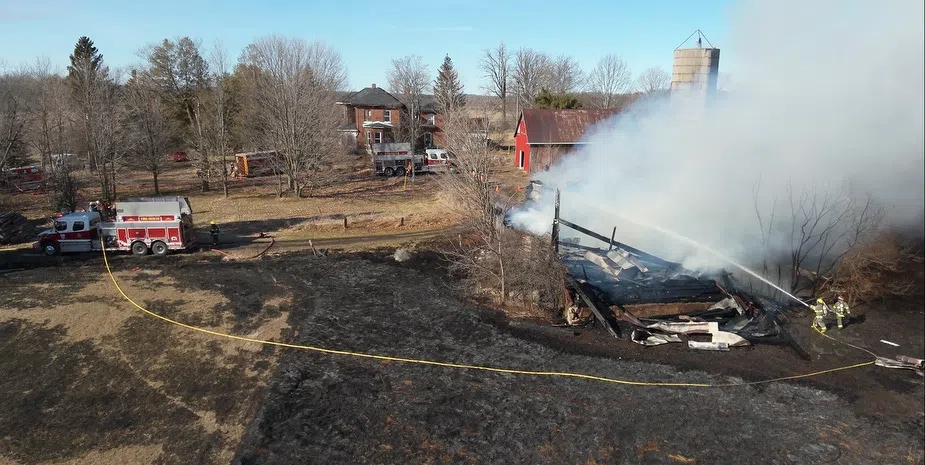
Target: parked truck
{"x":137,"y":225}
{"x":396,"y":159}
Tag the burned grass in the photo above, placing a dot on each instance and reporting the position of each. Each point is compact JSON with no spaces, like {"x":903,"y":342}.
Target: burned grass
{"x":91,"y":379}
{"x":143,"y":388}
{"x":328,"y":409}
{"x":82,"y":401}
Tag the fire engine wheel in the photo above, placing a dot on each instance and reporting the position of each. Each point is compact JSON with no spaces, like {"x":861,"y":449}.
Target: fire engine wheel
{"x":159,"y":248}
{"x":399,"y":171}
{"x":389,"y":171}
{"x":139,"y":248}
{"x":50,"y":248}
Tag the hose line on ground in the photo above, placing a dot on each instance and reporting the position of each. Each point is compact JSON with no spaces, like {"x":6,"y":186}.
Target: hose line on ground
{"x":461,"y":366}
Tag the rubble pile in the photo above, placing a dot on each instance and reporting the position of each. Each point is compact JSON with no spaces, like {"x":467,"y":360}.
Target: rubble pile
{"x":655,"y":302}
{"x":15,"y":228}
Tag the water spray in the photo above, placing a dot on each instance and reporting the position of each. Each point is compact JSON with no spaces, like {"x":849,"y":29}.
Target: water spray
{"x":698,"y":245}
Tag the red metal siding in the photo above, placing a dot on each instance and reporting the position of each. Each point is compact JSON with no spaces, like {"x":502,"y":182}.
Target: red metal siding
{"x":522,"y":144}
{"x":159,"y":233}
{"x":136,"y":233}
{"x":123,"y":235}
{"x":174,"y":234}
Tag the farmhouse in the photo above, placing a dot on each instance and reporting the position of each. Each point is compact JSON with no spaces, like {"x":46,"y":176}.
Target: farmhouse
{"x":374,"y":116}
{"x":543,"y":136}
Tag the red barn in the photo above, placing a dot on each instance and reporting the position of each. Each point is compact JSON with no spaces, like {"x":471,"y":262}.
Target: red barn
{"x":543,"y":136}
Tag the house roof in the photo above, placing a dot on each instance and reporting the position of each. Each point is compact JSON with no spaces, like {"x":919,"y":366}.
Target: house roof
{"x":372,"y":97}
{"x":376,"y":97}
{"x":565,"y":126}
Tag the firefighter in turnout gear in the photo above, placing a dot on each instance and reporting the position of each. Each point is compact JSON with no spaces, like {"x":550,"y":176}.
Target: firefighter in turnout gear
{"x":821,"y":310}
{"x":841,"y":311}
{"x":213,"y":231}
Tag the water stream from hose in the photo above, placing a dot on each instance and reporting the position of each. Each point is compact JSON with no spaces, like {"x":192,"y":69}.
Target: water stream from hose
{"x":698,"y":245}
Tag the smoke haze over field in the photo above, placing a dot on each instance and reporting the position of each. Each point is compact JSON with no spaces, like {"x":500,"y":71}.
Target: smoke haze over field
{"x":828,"y":96}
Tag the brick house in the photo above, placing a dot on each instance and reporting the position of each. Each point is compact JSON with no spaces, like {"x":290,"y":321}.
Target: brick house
{"x":373,"y":116}
{"x":543,"y":136}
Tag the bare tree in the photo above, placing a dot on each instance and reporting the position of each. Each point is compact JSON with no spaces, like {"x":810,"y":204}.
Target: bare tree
{"x":531,"y":75}
{"x":653,"y":80}
{"x":825,"y":224}
{"x":219,"y":109}
{"x":565,"y":75}
{"x":13,"y":118}
{"x":293,"y":85}
{"x":609,"y":81}
{"x":408,"y":80}
{"x":149,"y":127}
{"x":49,"y":132}
{"x":490,"y":255}
{"x":495,"y":63}
{"x":108,"y":136}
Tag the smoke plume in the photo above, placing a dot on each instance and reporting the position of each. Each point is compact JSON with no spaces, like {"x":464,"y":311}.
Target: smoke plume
{"x":828,"y":97}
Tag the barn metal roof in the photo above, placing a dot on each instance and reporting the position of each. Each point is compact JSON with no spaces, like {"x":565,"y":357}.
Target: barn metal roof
{"x":563,"y":126}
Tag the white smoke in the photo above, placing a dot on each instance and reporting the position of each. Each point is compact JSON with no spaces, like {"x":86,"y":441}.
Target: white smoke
{"x":828,"y":95}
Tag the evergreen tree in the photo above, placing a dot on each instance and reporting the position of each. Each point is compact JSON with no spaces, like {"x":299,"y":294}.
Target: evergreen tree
{"x":86,"y":66}
{"x":547,"y":99}
{"x":448,"y":91}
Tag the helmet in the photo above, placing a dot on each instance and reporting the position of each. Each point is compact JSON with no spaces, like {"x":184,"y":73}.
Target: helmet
{"x":211,"y":222}
{"x":841,"y":297}
{"x":819,"y":300}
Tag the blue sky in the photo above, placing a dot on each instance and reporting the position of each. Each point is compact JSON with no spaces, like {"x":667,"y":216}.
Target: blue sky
{"x":369,"y":34}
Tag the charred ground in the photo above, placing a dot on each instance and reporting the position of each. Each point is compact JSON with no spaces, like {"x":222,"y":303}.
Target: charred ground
{"x":166,"y":395}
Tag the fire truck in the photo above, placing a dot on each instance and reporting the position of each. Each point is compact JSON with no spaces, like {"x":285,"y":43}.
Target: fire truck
{"x":138,"y":225}
{"x":22,"y":178}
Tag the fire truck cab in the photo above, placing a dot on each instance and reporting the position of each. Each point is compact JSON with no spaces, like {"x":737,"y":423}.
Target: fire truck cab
{"x":140,"y":225}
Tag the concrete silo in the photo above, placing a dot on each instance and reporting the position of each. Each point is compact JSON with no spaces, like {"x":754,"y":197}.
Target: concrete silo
{"x":695,"y":69}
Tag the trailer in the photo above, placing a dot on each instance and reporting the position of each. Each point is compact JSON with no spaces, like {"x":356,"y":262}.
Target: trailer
{"x":250,"y":164}
{"x":139,"y":225}
{"x":396,"y":159}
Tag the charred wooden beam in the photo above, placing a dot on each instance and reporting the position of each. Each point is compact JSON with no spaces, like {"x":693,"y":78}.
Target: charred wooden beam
{"x":605,"y":239}
{"x":595,"y":305}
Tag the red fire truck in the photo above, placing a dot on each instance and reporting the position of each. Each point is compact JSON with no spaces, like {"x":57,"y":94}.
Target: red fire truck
{"x":138,"y":225}
{"x":22,"y":178}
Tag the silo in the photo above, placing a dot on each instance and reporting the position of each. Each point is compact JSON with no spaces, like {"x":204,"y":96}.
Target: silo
{"x":695,"y":69}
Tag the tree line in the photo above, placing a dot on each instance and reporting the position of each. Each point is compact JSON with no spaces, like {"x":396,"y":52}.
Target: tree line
{"x":280,"y":95}
{"x":532,"y":78}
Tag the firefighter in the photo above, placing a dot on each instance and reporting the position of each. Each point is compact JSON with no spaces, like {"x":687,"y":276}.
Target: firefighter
{"x":821,"y":310}
{"x":841,"y":311}
{"x":213,"y":231}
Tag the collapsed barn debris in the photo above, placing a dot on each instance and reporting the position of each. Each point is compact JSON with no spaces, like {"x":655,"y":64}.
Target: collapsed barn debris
{"x":654,"y":301}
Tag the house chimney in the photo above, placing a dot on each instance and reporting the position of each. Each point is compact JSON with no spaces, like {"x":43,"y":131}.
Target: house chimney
{"x":374,"y":85}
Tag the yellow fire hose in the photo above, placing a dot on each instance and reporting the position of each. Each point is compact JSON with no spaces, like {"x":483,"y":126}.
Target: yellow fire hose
{"x":461,"y":366}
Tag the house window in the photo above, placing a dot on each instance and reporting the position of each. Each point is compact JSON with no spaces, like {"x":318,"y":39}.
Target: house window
{"x":377,"y":136}
{"x":387,"y":116}
{"x":431,"y":119}
{"x":367,"y":115}
{"x":522,"y":159}
{"x":369,"y":137}
{"x":428,"y":139}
